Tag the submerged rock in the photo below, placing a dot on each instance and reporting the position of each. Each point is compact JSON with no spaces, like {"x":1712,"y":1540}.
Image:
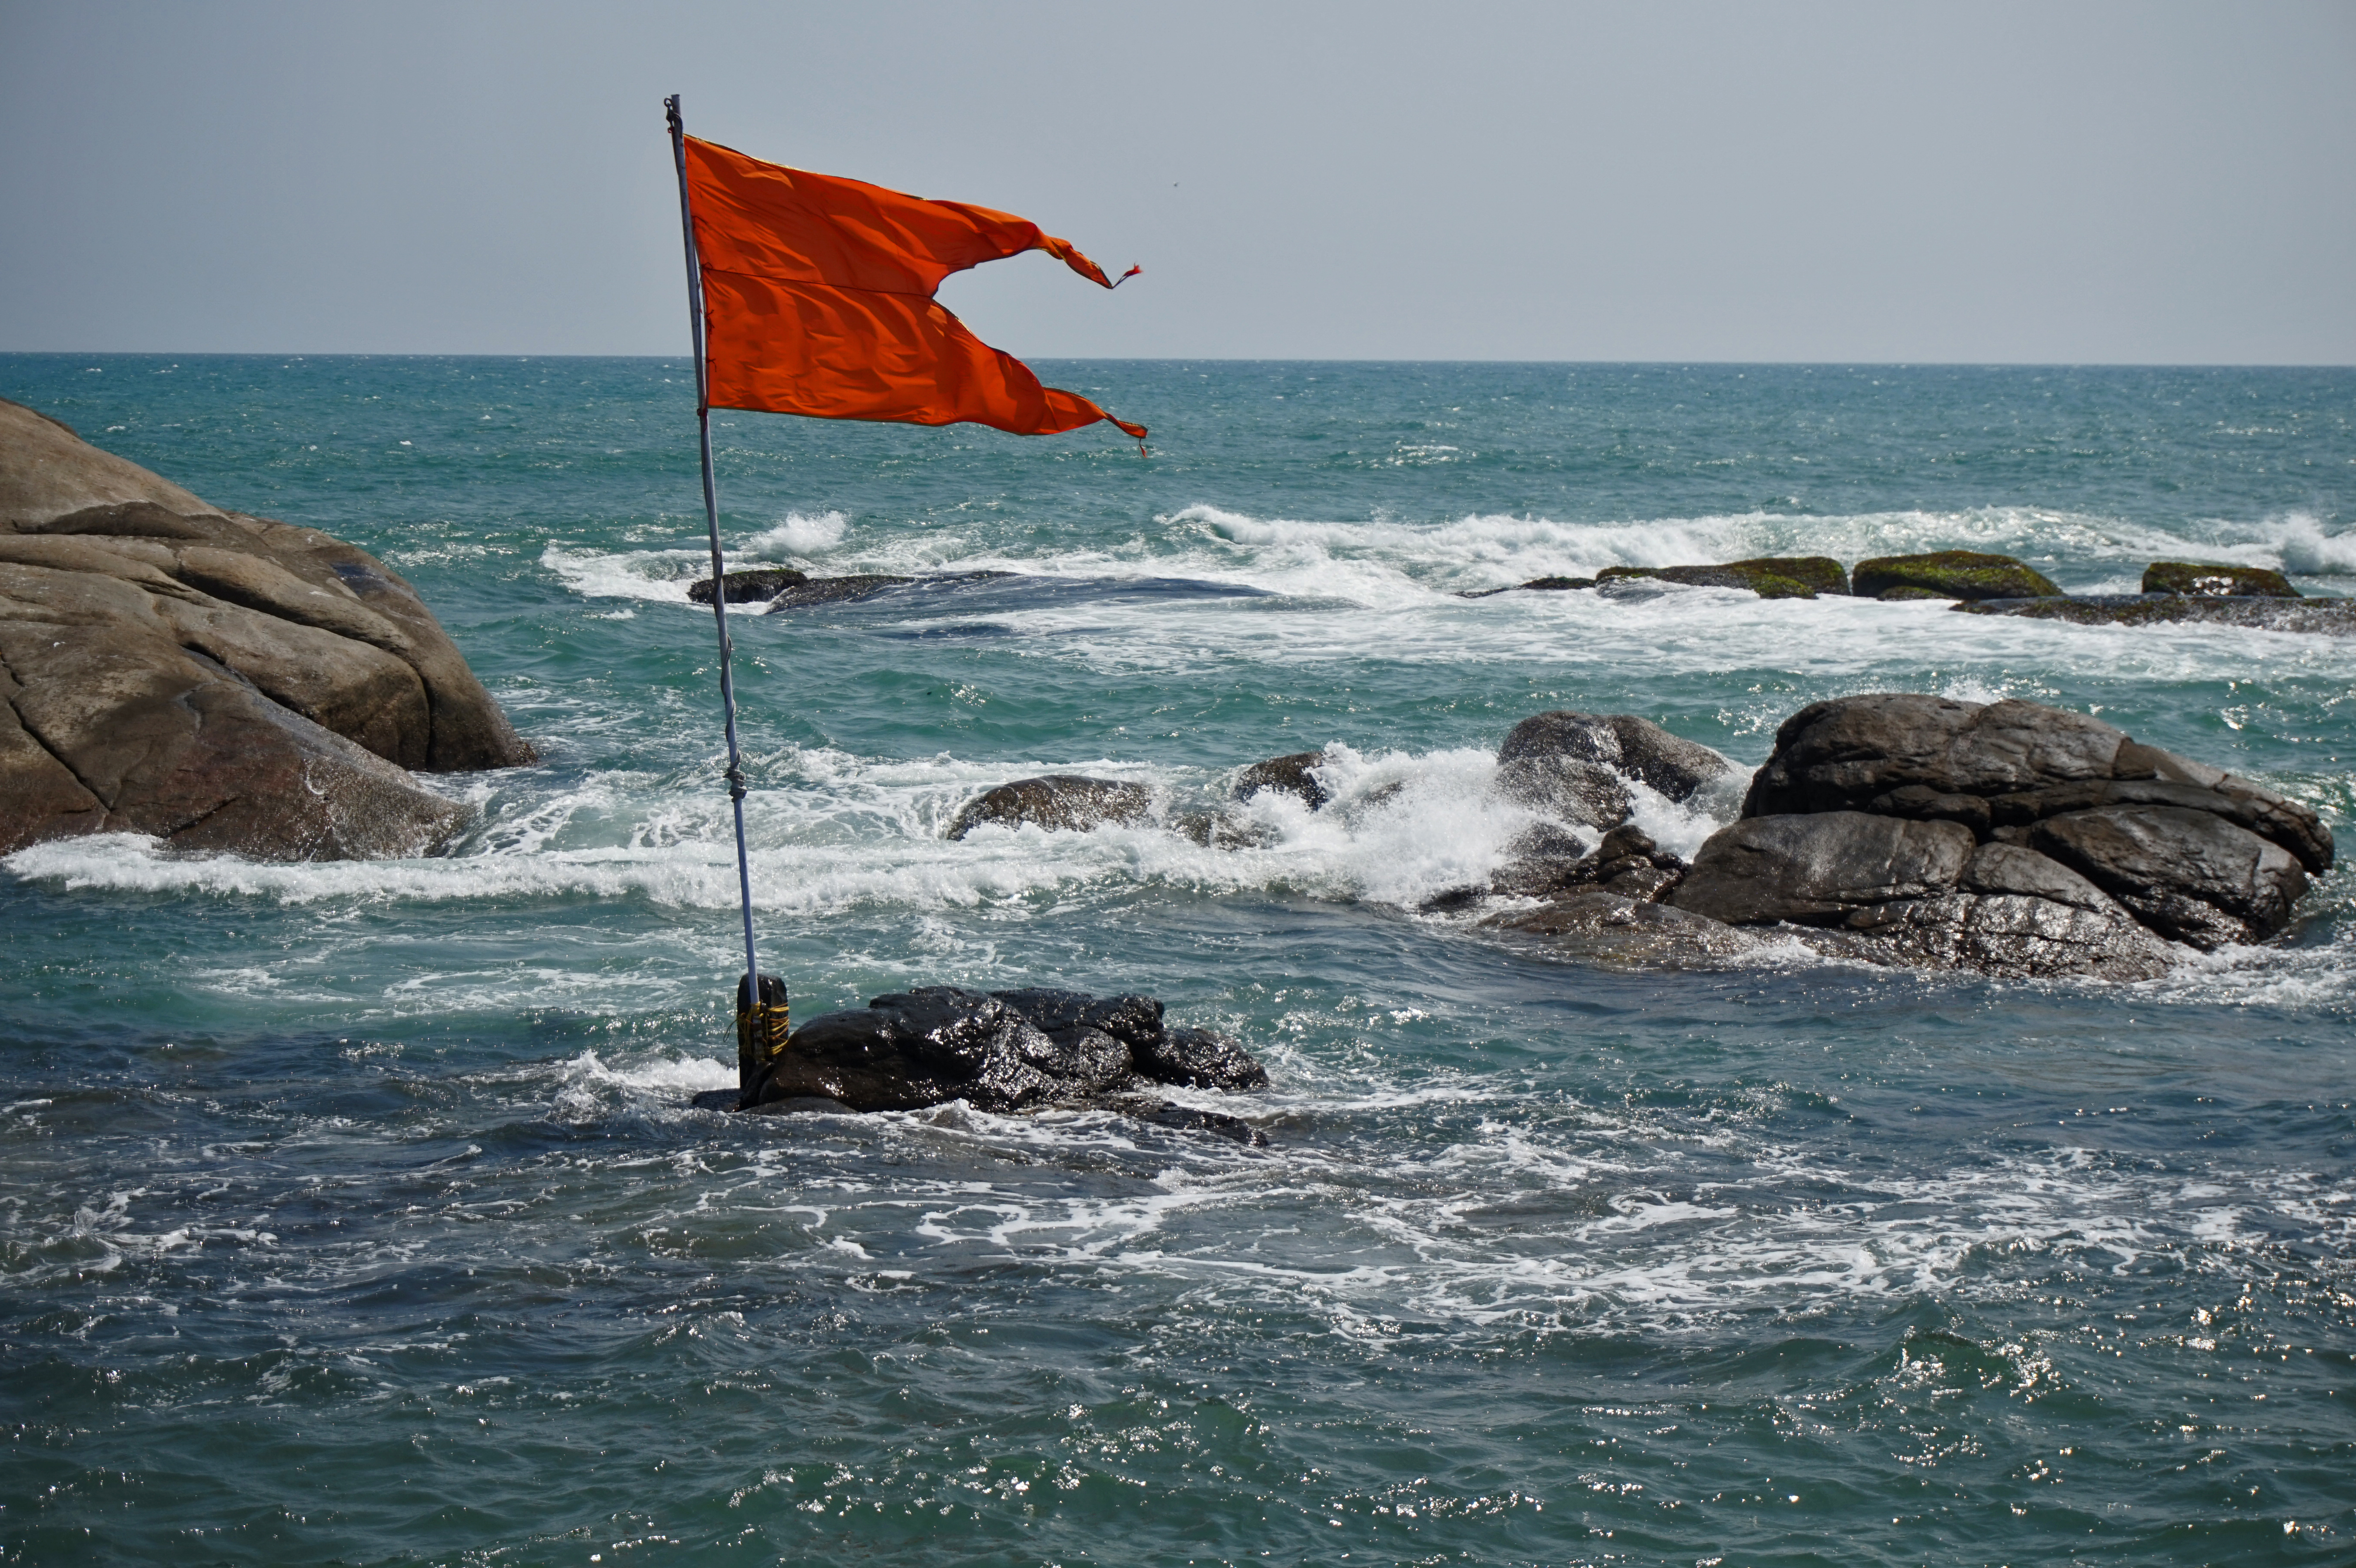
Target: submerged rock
{"x":1536,"y":585}
{"x":1068,"y":802}
{"x":750,"y":587}
{"x":1949,"y":574}
{"x":220,"y":681}
{"x":2327,"y":617}
{"x":829,"y":591}
{"x":1005,"y":1050}
{"x":2196,"y":580}
{"x":1770,"y":577}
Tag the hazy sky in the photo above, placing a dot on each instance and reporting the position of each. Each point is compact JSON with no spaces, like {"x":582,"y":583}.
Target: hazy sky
{"x":1977,"y":182}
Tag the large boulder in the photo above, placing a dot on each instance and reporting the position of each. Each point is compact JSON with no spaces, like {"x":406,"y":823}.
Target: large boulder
{"x":2007,"y":838}
{"x":1949,"y":574}
{"x":1576,"y":766}
{"x":219,"y":681}
{"x":1005,"y":1050}
{"x":1065,"y":802}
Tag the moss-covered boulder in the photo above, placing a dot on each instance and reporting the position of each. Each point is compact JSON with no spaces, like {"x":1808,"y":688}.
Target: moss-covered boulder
{"x":1951,"y":574}
{"x":1770,"y":577}
{"x":2196,"y":580}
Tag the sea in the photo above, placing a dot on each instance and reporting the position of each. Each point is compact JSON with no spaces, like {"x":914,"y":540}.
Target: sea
{"x":363,"y":1213}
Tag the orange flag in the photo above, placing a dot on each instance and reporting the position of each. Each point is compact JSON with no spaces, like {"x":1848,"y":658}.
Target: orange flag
{"x":819,"y":300}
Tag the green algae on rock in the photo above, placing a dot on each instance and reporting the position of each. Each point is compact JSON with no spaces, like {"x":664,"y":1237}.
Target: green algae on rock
{"x":2196,"y":579}
{"x":1770,"y":577}
{"x":2328,"y":617}
{"x":1950,"y":575}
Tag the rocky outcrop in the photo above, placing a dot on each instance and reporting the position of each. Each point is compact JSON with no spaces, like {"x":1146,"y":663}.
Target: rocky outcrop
{"x":2196,"y":580}
{"x":1576,"y":767}
{"x":829,"y":591}
{"x":2007,"y":838}
{"x":2326,"y":617}
{"x":1067,"y":802}
{"x":757,"y":586}
{"x":218,"y":680}
{"x":1770,"y":577}
{"x":1949,"y":574}
{"x":1005,"y":1050}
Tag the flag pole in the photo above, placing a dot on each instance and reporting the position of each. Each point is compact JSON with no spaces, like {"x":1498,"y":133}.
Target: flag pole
{"x":758,"y":1032}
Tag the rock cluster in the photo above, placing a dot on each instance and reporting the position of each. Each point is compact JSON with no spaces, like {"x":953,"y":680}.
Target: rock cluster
{"x":1002,"y":1051}
{"x":1770,"y":577}
{"x":218,"y":680}
{"x":2006,"y":837}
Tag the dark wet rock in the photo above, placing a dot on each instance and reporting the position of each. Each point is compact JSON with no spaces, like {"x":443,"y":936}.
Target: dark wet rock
{"x":1200,"y":1059}
{"x":2246,"y":805}
{"x":1951,"y":574}
{"x":830,"y":591}
{"x":1190,"y":1119}
{"x":1546,"y":862}
{"x":1610,"y":928}
{"x":1535,"y":584}
{"x":1770,"y":577}
{"x":1576,"y":765}
{"x":1820,"y":869}
{"x":2197,"y":580}
{"x":2006,"y":935}
{"x":221,"y":682}
{"x":1013,"y":1051}
{"x":2190,"y":875}
{"x":1294,"y":775}
{"x":1844,"y":754}
{"x":752,"y":587}
{"x":2321,"y":617}
{"x":2007,"y":838}
{"x":1068,"y":802}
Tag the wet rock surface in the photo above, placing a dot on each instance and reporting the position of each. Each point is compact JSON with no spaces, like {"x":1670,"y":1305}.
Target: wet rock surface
{"x":753,"y":587}
{"x":1066,"y":802}
{"x":1949,"y":574}
{"x":1294,"y":775}
{"x":1770,"y":577}
{"x":829,"y":591}
{"x":1004,"y":1051}
{"x":2326,"y":617}
{"x":2198,"y":581}
{"x":220,"y":681}
{"x":1578,"y":766}
{"x":2007,"y":838}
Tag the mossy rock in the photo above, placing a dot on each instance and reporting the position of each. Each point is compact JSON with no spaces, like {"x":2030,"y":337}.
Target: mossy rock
{"x":2195,"y":580}
{"x":1770,"y":577}
{"x":1557,"y":584}
{"x":1895,"y":593}
{"x":1951,"y":574}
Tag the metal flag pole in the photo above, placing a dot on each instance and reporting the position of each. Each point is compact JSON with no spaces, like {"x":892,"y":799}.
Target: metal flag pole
{"x":760,"y":1024}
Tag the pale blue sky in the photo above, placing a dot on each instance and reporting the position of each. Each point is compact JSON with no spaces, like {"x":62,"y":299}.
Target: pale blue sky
{"x":1985,"y":182}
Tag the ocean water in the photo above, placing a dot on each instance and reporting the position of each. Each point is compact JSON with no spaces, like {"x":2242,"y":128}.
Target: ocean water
{"x":360,"y":1214}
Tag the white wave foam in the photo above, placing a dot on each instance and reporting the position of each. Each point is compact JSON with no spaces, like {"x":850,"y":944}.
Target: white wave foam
{"x":798,"y":538}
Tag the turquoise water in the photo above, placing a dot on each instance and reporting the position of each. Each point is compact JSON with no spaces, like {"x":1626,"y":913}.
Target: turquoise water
{"x":357,"y":1214}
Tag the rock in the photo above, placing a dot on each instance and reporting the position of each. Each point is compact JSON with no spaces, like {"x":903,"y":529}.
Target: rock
{"x":1011,"y":1051}
{"x":1294,"y":775}
{"x":1770,"y":577}
{"x":1577,"y":764}
{"x":1999,"y":867}
{"x":829,"y":591}
{"x":2245,"y":805}
{"x":2323,"y":617}
{"x":1535,"y":584}
{"x":1200,"y":1059}
{"x":752,"y":587}
{"x":1951,"y":574}
{"x":1606,"y":927}
{"x":1844,"y":754}
{"x":2216,"y":582}
{"x":2004,"y":935}
{"x":221,"y":682}
{"x":2190,"y":875}
{"x":1820,"y":869}
{"x":1056,"y":802}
